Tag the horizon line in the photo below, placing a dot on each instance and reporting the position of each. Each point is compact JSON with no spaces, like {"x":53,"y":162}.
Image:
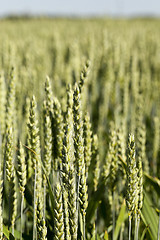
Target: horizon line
{"x":77,"y":15}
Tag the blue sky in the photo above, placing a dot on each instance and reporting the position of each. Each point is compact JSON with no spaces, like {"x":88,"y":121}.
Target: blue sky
{"x":81,"y":7}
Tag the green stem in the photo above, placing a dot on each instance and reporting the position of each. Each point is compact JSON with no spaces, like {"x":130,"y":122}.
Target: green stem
{"x":113,"y":214}
{"x":13,"y":229}
{"x":138,"y":222}
{"x":77,"y":203}
{"x":44,"y":198}
{"x":96,"y":224}
{"x":34,"y":212}
{"x":22,"y":214}
{"x":9,"y":222}
{"x":158,"y":228}
{"x":84,"y":226}
{"x":129,"y":238}
{"x":135,"y":228}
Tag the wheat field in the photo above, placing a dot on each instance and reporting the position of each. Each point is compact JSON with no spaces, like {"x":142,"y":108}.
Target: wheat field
{"x":79,"y":129}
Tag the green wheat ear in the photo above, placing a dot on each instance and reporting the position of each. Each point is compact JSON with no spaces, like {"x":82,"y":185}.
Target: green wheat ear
{"x":68,"y":144}
{"x":34,"y":144}
{"x":9,"y":155}
{"x":67,"y":234}
{"x":96,"y":161}
{"x":72,"y":203}
{"x":49,"y":96}
{"x":84,"y":74}
{"x":33,"y":130}
{"x":78,"y":131}
{"x":64,"y":187}
{"x":111,"y":163}
{"x":58,"y":214}
{"x":47,"y":144}
{"x":41,"y":227}
{"x":47,"y":156}
{"x":68,"y":184}
{"x":11,"y":177}
{"x":132,"y":179}
{"x":141,"y":134}
{"x":57,"y":133}
{"x":87,"y":141}
{"x":47,"y":140}
{"x":27,"y":141}
{"x":22,"y":175}
{"x":82,"y":190}
{"x":140,"y":186}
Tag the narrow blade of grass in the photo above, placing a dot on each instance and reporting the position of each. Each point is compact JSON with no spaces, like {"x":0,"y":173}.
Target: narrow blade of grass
{"x":155,"y":182}
{"x":149,"y":217}
{"x":121,"y":218}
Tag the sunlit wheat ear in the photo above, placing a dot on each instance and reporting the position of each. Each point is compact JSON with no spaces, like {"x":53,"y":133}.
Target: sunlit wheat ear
{"x":66,"y":214}
{"x":78,"y":131}
{"x":132,"y":179}
{"x":72,"y":203}
{"x":10,"y":107}
{"x":87,"y":141}
{"x":9,"y":155}
{"x":21,"y":168}
{"x":27,"y":141}
{"x":67,"y":162}
{"x":13,"y":201}
{"x":58,"y":214}
{"x":83,"y":191}
{"x":140,"y":193}
{"x":22,"y":176}
{"x":57,"y":133}
{"x":47,"y":155}
{"x":68,"y":122}
{"x":41,"y":227}
{"x":47,"y":139}
{"x":49,"y":96}
{"x":79,"y":155}
{"x":96,"y":161}
{"x":111,"y":163}
{"x":84,"y":74}
{"x":64,"y":185}
{"x":33,"y":130}
{"x":82,"y":197}
{"x":47,"y":144}
{"x":34,"y":144}
{"x":141,"y":134}
{"x":69,"y":97}
{"x":11,"y":177}
{"x":68,"y":143}
{"x":140,"y":185}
